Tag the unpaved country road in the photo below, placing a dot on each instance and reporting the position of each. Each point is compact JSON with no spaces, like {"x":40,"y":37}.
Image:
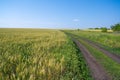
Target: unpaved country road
{"x":96,"y":69}
{"x":97,"y":46}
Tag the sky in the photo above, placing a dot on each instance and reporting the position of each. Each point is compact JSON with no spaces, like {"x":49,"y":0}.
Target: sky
{"x":59,"y":14}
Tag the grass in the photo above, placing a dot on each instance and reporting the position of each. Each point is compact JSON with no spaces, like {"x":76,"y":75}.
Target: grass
{"x":33,"y":54}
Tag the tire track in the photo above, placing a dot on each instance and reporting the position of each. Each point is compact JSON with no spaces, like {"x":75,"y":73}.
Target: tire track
{"x":109,"y":54}
{"x":97,"y":71}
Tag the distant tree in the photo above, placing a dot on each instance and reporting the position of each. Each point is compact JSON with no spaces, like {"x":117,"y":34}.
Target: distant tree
{"x":116,"y":27}
{"x":78,"y":29}
{"x":104,"y":29}
{"x":90,"y":28}
{"x":96,"y":28}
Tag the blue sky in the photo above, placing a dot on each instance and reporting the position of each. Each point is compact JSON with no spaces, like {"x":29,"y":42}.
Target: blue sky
{"x":59,"y":13}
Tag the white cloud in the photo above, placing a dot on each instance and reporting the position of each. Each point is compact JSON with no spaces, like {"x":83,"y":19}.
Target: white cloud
{"x":75,"y":20}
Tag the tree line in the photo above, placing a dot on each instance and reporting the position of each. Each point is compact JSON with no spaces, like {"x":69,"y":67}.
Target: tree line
{"x":115,"y":28}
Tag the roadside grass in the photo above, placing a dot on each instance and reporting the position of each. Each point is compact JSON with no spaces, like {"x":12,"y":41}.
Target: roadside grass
{"x":78,"y":66}
{"x":112,"y":67}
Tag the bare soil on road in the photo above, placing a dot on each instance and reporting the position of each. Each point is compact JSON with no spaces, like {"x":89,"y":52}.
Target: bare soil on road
{"x":97,"y":71}
{"x":109,"y":54}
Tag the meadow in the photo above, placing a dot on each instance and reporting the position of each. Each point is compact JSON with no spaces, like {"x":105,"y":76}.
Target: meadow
{"x":40,"y":54}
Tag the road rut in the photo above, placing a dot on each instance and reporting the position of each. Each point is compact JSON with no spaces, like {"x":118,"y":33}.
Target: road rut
{"x":109,"y":54}
{"x":97,"y":71}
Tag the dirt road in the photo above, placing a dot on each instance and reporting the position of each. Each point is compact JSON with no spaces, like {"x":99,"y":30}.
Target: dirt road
{"x":97,"y":46}
{"x":97,"y":71}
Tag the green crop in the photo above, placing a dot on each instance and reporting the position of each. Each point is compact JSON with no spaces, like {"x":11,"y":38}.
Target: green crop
{"x":31,"y":54}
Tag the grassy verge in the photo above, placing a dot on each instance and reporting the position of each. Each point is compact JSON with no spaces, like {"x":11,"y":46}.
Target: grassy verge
{"x":77,"y":68}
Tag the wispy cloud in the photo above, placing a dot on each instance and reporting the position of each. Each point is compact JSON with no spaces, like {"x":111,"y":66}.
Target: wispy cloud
{"x":75,"y":20}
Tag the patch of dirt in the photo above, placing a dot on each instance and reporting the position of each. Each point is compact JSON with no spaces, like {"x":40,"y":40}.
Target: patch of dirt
{"x":97,"y":71}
